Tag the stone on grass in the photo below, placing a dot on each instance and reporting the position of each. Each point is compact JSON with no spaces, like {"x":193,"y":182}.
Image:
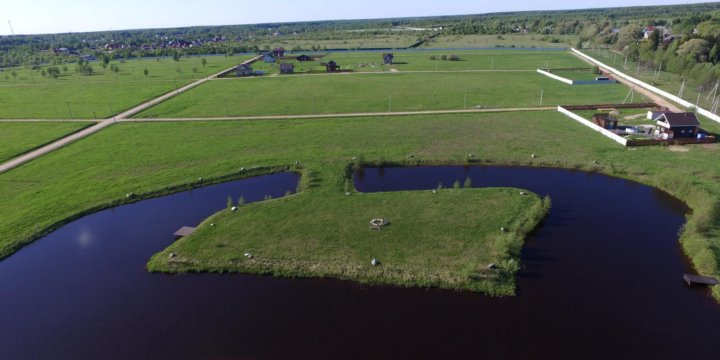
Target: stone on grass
{"x":234,"y":208}
{"x":172,"y":255}
{"x":248,"y":255}
{"x":374,"y":262}
{"x":491,"y":267}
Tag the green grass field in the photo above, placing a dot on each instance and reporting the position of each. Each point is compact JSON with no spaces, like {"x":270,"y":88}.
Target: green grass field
{"x":328,"y":94}
{"x":505,"y":40}
{"x":132,"y":157}
{"x":441,"y":240}
{"x":31,"y":96}
{"x":420,"y":60}
{"x":19,"y":138}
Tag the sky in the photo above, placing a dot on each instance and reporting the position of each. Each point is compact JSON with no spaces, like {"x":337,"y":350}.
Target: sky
{"x":53,"y":16}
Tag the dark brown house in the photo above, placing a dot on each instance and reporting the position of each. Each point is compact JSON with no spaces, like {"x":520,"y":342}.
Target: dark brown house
{"x":605,"y":121}
{"x":287,"y":68}
{"x":279,"y":52}
{"x":678,"y":125}
{"x":243,"y":70}
{"x":304,"y":58}
{"x":388,"y":58}
{"x":332,"y":66}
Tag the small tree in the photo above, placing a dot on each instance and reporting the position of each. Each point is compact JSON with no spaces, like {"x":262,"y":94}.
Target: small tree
{"x":176,"y":56}
{"x":146,"y":72}
{"x":468,"y":183}
{"x":229,"y":202}
{"x":14,"y":74}
{"x":203,"y":61}
{"x":456,"y":185}
{"x":241,"y":201}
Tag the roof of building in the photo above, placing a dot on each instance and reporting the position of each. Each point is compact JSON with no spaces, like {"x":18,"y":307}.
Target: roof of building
{"x":679,"y":119}
{"x":287,"y":66}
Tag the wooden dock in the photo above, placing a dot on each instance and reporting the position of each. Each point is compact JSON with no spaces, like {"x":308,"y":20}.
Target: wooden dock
{"x":700,"y":280}
{"x":184,"y":231}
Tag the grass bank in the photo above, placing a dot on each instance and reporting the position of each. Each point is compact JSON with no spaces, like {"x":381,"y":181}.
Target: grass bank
{"x":130,"y":157}
{"x":445,"y":240}
{"x":17,"y":138}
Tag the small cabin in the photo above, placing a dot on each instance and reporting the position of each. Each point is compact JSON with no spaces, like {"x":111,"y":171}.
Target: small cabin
{"x":279,"y":52}
{"x":605,"y":121}
{"x":269,"y":58}
{"x":388,"y":58}
{"x":332,"y":66}
{"x":287,"y":68}
{"x":677,"y":125}
{"x":244,"y":70}
{"x":304,"y":58}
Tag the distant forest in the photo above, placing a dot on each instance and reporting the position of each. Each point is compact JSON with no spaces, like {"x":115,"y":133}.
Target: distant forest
{"x":683,"y":39}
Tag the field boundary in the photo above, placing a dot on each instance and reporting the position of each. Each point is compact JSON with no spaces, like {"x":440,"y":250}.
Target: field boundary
{"x":649,"y":87}
{"x":556,"y":77}
{"x":619,"y":139}
{"x":342,"y":115}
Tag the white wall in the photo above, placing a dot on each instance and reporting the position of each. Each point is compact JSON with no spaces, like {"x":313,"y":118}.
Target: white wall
{"x":621,"y":140}
{"x":558,"y":78}
{"x":647,"y":86}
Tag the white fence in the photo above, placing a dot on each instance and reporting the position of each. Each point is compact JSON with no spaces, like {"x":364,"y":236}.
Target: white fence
{"x":558,"y":78}
{"x":647,"y":86}
{"x":621,"y":140}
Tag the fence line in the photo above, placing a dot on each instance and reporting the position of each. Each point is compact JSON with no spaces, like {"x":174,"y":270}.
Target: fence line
{"x":621,"y":140}
{"x":558,"y":78}
{"x":647,"y":86}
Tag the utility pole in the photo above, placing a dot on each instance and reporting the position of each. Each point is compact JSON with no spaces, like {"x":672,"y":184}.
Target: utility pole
{"x":389,"y":104}
{"x":67,"y":103}
{"x":682,"y":89}
{"x":465,"y":103}
{"x":697,"y":102}
{"x":12,"y":32}
{"x":541,"y":97}
{"x":227,"y":109}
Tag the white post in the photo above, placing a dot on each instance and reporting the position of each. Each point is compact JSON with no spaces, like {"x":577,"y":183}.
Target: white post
{"x":465,"y":103}
{"x":541,"y":97}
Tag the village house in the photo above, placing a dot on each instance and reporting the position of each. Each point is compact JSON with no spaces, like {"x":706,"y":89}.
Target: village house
{"x":287,"y":68}
{"x":332,"y":66}
{"x":664,"y":32}
{"x":677,"y":125}
{"x":304,"y":58}
{"x":244,"y":70}
{"x":269,"y":58}
{"x":605,"y":121}
{"x":279,"y":52}
{"x":388,"y":58}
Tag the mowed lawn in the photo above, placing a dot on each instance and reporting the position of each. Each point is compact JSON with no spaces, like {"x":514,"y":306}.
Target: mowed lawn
{"x":422,"y":60}
{"x":505,"y":40}
{"x":18,"y":138}
{"x":32,"y":96}
{"x":358,"y":93}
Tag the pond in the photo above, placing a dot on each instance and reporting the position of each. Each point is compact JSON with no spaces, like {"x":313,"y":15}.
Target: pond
{"x":601,"y":278}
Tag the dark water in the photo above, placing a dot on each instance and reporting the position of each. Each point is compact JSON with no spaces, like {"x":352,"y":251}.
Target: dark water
{"x":601,"y":280}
